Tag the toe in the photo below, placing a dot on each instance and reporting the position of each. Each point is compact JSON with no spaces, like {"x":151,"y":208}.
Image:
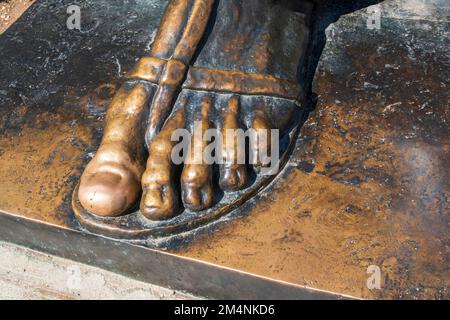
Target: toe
{"x":196,"y":186}
{"x":233,"y":172}
{"x":232,"y":177}
{"x":108,"y":193}
{"x":159,"y":203}
{"x":159,"y":200}
{"x":196,"y":179}
{"x":260,"y":142}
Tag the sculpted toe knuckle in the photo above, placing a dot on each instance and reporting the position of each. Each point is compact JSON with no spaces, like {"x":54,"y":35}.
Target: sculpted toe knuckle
{"x":194,"y":177}
{"x":160,"y":146}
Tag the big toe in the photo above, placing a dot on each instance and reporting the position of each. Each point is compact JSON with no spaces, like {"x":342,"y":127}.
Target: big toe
{"x":108,"y":194}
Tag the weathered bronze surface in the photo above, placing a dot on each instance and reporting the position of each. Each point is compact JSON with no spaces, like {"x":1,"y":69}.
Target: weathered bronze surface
{"x":367,"y":183}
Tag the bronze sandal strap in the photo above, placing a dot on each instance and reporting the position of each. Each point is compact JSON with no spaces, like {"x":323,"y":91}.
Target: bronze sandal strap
{"x":159,"y":71}
{"x":171,"y":72}
{"x":234,"y":81}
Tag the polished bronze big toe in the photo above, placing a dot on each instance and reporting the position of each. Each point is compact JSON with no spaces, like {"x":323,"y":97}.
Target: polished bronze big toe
{"x":110,"y":184}
{"x":109,"y":193}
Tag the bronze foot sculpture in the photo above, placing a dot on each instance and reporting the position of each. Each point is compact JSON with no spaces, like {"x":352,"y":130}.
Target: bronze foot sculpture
{"x":225,"y":65}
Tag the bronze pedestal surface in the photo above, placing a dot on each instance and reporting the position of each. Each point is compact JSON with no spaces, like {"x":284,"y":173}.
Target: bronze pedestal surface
{"x":367,"y":183}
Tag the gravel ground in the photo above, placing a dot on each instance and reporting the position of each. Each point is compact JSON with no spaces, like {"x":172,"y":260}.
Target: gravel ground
{"x":10,"y":10}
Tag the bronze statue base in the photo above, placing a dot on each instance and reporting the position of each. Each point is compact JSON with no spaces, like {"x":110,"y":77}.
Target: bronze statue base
{"x":366,"y":183}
